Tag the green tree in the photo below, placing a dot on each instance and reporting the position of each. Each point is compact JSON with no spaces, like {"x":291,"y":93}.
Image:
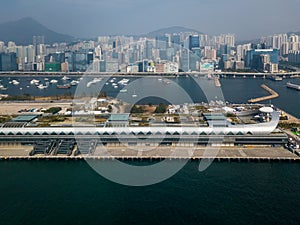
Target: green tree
{"x":136,"y":109}
{"x":161,"y":108}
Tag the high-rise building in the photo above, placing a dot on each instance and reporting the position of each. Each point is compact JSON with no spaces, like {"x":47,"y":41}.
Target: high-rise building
{"x":175,"y":40}
{"x":284,"y":50}
{"x":294,"y":42}
{"x":2,"y":46}
{"x":37,"y":41}
{"x":194,"y":45}
{"x":8,"y":62}
{"x":148,"y":49}
{"x":294,"y":57}
{"x":253,"y":58}
{"x":162,"y":42}
{"x":204,"y":40}
{"x":194,"y":42}
{"x":55,"y":58}
{"x":241,"y":51}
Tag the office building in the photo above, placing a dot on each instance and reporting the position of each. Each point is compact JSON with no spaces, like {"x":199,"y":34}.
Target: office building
{"x":8,"y":62}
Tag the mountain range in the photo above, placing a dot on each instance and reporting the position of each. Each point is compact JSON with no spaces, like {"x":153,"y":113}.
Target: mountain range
{"x":22,"y":31}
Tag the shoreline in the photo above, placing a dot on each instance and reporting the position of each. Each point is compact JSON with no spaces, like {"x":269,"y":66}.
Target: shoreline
{"x":146,"y":74}
{"x":217,"y":159}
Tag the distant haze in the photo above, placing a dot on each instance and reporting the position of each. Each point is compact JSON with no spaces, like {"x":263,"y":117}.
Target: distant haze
{"x":90,"y":18}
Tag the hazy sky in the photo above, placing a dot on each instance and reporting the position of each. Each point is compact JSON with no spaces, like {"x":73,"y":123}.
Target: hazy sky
{"x":89,"y":18}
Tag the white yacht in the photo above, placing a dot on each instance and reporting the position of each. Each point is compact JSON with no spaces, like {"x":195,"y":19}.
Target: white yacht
{"x":74,"y":82}
{"x":41,"y":86}
{"x":66,"y":78}
{"x":53,"y":81}
{"x":123,"y":81}
{"x":2,"y":88}
{"x":15,"y":82}
{"x":34,"y":82}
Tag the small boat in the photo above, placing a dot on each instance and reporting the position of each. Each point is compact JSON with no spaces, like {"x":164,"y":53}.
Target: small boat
{"x":41,"y":86}
{"x":53,"y":81}
{"x":276,"y":78}
{"x":46,"y":79}
{"x":64,"y":86}
{"x":74,"y":82}
{"x":123,"y":81}
{"x":166,"y":81}
{"x":34,"y":82}
{"x":123,"y":91}
{"x":65,"y":78}
{"x":116,"y":87}
{"x":293,"y":86}
{"x":97,"y":79}
{"x":134,"y":95}
{"x":94,"y":81}
{"x":2,"y":88}
{"x":15,"y":82}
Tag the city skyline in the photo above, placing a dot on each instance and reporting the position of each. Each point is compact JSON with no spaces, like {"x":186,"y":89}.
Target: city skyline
{"x":79,"y":18}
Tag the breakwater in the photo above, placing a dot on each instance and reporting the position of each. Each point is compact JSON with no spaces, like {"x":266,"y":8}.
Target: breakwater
{"x":272,"y":95}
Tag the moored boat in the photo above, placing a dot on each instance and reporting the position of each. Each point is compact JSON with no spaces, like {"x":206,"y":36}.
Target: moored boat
{"x":65,"y":78}
{"x":34,"y":82}
{"x":53,"y":81}
{"x":276,"y":78}
{"x":293,"y":86}
{"x":64,"y":86}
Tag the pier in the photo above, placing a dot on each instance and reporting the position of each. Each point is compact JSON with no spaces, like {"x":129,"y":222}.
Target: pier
{"x":272,"y":95}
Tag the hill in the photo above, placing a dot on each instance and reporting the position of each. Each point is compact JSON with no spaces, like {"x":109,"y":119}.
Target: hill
{"x":297,"y":33}
{"x":171,"y":30}
{"x":22,"y":31}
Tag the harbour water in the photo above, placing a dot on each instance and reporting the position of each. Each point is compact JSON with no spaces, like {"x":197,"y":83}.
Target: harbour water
{"x":226,"y":193}
{"x":70,"y":192}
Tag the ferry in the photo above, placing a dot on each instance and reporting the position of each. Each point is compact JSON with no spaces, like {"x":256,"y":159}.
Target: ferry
{"x":293,"y":86}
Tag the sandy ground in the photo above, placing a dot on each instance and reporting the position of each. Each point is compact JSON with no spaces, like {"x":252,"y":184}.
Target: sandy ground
{"x":13,"y":107}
